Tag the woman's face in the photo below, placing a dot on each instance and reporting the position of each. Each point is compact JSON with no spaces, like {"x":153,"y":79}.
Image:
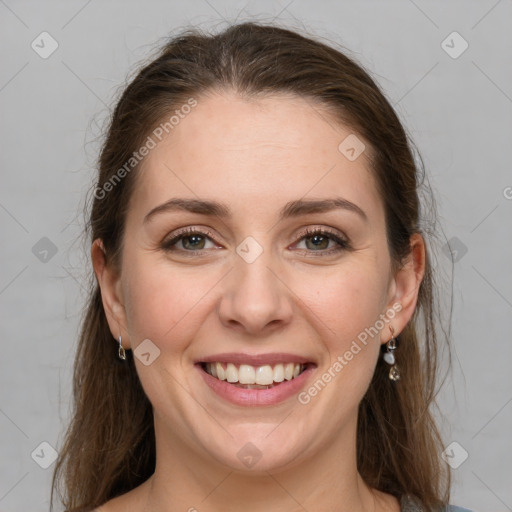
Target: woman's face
{"x":272,"y":257}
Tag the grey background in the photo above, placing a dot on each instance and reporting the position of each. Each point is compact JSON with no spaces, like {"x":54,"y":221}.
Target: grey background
{"x":458,"y":111}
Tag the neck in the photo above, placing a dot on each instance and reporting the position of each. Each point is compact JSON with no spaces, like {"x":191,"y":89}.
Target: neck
{"x":327,"y":482}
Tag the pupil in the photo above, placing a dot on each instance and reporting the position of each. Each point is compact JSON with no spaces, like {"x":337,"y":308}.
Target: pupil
{"x":319,"y":241}
{"x":195,"y":239}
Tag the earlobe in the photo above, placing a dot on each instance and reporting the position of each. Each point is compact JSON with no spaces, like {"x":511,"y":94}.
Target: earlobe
{"x":111,"y":293}
{"x":406,"y":284}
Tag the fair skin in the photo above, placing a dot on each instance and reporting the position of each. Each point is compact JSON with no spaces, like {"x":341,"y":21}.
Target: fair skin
{"x":201,"y":298}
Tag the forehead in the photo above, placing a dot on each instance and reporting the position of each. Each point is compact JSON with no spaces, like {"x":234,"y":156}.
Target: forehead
{"x":254,"y":152}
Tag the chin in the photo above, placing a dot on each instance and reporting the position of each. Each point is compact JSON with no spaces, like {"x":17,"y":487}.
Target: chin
{"x":260,"y":448}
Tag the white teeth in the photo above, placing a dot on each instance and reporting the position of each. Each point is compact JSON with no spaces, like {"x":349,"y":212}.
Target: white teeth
{"x":278,"y":373}
{"x":288,"y":371}
{"x":231,"y":373}
{"x":247,"y":374}
{"x":264,"y":375}
{"x":219,"y":370}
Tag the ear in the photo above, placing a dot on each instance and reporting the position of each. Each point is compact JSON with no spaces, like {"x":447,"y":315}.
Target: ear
{"x":109,"y":281}
{"x":404,"y":288}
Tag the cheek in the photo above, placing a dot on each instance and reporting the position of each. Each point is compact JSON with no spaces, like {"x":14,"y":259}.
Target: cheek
{"x":347,"y":300}
{"x":151,"y":304}
{"x":348,"y":304}
{"x":161,"y":301}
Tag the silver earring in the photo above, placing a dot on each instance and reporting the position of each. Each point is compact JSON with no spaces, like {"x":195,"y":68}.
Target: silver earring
{"x":121,"y":353}
{"x":389,"y":357}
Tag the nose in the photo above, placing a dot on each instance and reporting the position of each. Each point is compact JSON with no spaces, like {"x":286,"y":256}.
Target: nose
{"x":255,"y":300}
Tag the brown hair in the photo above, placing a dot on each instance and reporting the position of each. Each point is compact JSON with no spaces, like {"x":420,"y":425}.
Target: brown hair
{"x":109,"y":447}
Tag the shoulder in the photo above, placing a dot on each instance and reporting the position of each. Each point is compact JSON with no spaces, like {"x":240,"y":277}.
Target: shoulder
{"x":132,"y":501}
{"x":410,"y":503}
{"x":111,"y":506}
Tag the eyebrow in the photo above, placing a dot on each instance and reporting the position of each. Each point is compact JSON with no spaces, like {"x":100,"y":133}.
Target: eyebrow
{"x":291,"y":209}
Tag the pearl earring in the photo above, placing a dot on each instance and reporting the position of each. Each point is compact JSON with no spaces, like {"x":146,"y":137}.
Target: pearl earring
{"x":121,"y":353}
{"x":389,"y":357}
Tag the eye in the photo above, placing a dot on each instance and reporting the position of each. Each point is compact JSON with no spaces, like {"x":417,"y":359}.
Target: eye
{"x":191,"y":240}
{"x":323,"y":241}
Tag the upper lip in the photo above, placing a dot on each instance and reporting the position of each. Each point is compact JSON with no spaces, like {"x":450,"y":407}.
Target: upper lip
{"x":255,"y":359}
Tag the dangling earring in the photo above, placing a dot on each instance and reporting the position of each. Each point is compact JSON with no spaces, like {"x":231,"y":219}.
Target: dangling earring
{"x":121,"y":353}
{"x":389,"y":357}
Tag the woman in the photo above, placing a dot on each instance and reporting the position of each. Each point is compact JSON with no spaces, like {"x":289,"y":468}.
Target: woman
{"x":260,"y":333}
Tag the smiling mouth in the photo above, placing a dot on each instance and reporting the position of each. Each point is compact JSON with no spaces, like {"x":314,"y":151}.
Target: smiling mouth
{"x":254,"y":377}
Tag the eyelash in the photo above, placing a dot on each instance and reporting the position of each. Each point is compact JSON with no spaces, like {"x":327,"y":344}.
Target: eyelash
{"x":343,"y":244}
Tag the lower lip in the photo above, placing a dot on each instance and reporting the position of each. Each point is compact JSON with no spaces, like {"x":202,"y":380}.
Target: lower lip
{"x":254,"y":397}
